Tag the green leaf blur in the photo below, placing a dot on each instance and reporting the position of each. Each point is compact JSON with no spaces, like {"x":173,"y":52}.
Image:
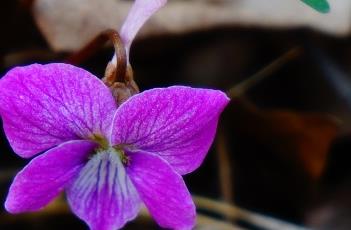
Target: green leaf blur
{"x":319,"y":5}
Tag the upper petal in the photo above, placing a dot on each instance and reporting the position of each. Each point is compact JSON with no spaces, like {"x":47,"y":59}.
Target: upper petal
{"x":177,"y":123}
{"x":46,"y":176}
{"x":45,"y":105}
{"x":162,"y":190}
{"x":140,"y":12}
{"x":103,"y":195}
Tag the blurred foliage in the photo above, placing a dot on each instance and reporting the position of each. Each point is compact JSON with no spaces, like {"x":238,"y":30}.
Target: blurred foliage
{"x":319,"y":5}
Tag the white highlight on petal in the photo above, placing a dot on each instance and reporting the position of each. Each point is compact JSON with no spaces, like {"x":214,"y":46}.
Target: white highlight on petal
{"x":103,"y":195}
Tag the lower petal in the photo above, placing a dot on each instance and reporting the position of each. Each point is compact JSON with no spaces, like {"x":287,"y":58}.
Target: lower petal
{"x":46,"y":176}
{"x":162,"y":190}
{"x":103,"y":195}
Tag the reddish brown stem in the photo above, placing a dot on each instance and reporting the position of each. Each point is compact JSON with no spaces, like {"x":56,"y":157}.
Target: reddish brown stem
{"x":119,"y":72}
{"x":118,"y":78}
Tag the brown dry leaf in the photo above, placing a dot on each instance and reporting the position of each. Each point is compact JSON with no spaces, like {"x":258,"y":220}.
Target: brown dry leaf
{"x":69,"y":25}
{"x":302,"y":137}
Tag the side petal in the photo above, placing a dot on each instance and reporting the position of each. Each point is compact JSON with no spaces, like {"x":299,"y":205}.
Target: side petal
{"x":177,"y":123}
{"x":103,"y":195}
{"x":162,"y":190}
{"x":45,"y":105}
{"x":140,"y":12}
{"x":46,"y":176}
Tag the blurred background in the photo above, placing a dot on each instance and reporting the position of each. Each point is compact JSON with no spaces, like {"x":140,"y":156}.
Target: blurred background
{"x":282,"y":152}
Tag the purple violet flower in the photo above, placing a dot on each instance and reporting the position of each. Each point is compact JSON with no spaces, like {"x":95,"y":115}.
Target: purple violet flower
{"x":108,"y":159}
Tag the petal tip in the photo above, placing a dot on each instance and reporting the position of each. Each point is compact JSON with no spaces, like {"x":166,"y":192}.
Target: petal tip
{"x":11,"y":205}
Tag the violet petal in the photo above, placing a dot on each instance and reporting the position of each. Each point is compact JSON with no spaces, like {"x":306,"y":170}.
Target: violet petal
{"x":162,"y":190}
{"x":46,"y":175}
{"x":140,"y":12}
{"x":103,"y":195}
{"x":177,"y":123}
{"x":45,"y":105}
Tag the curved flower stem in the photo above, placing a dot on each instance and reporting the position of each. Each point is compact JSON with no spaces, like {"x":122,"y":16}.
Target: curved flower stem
{"x":118,"y":76}
{"x":117,"y":73}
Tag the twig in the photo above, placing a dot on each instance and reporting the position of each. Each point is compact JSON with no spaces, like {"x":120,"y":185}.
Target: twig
{"x":240,"y":89}
{"x":225,"y":174}
{"x":235,"y":212}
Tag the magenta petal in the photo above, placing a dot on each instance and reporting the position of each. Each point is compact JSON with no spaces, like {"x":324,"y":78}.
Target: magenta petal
{"x":46,"y":175}
{"x":177,"y":123}
{"x":140,"y":12}
{"x":103,"y":195}
{"x":162,"y":190}
{"x":45,"y":105}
